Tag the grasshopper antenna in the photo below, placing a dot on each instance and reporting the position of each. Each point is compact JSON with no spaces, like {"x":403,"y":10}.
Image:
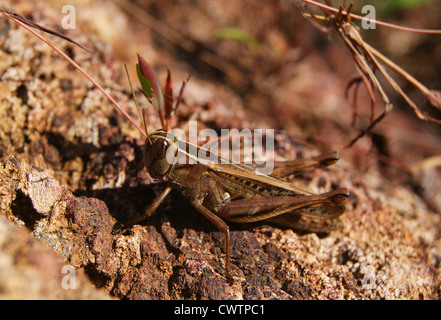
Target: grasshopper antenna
{"x":28,"y":25}
{"x":141,"y":113}
{"x":15,"y":16}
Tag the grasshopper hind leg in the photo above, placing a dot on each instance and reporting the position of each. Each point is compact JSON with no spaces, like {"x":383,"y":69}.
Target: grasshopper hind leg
{"x":283,"y":169}
{"x":318,"y":217}
{"x":222,"y":226}
{"x":310,"y":219}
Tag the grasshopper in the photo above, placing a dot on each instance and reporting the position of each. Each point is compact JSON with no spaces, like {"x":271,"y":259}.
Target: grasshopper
{"x":220,"y":190}
{"x":367,"y":61}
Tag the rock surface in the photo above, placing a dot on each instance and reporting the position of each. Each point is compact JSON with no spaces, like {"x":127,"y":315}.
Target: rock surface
{"x":72,"y":168}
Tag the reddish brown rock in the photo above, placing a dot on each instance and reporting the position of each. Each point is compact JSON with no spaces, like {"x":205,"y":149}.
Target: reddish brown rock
{"x":72,"y":168}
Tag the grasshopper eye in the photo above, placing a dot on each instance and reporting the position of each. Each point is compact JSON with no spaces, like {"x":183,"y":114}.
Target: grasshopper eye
{"x":161,"y":148}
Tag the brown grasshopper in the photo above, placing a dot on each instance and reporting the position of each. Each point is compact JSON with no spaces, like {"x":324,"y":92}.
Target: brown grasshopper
{"x":367,"y":60}
{"x":221,"y":190}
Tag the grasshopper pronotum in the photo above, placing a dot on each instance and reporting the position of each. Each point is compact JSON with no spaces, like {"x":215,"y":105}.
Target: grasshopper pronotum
{"x":220,"y":190}
{"x":368,"y":60}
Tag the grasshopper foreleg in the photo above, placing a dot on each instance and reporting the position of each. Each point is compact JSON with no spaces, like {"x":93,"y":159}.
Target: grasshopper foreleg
{"x":147,"y":214}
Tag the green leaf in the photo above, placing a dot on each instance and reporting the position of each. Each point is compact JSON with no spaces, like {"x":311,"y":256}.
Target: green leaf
{"x":396,"y":5}
{"x":150,"y":84}
{"x":145,"y":83}
{"x":237,"y":35}
{"x":385,"y":7}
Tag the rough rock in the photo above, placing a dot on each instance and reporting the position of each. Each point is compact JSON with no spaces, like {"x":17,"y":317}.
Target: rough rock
{"x":72,"y":168}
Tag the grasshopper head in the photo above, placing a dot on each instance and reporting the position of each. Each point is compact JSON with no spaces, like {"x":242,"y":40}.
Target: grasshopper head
{"x":160,"y":153}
